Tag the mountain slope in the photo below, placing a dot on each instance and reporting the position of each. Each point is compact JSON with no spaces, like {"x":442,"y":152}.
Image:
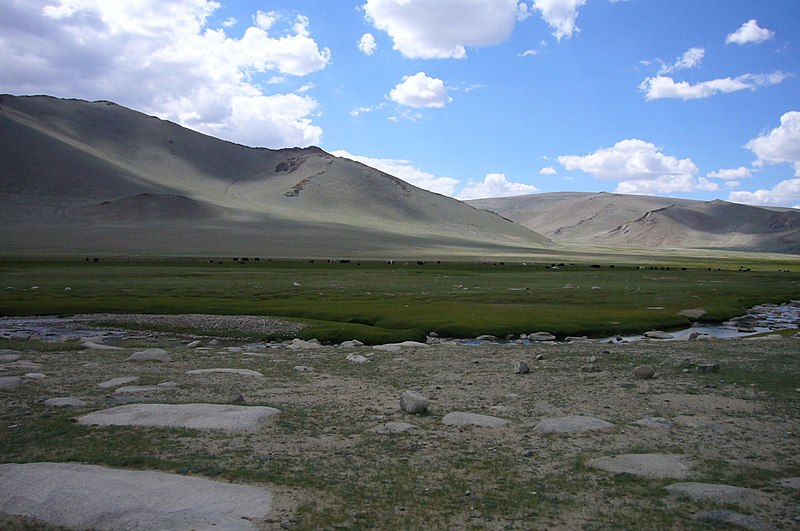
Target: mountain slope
{"x":651,"y":222}
{"x":81,"y":176}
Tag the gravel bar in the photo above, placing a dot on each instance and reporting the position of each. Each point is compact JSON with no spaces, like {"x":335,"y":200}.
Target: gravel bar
{"x":241,"y":324}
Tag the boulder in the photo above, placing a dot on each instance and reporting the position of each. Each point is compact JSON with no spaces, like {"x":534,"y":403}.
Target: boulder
{"x":522,"y":368}
{"x":413,"y":402}
{"x":151,"y":354}
{"x":356,"y":358}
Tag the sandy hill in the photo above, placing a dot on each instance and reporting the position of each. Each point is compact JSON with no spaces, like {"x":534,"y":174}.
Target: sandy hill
{"x":651,"y":222}
{"x":83,"y":177}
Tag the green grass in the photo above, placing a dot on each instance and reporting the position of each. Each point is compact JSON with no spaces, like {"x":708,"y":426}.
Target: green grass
{"x":377,"y":302}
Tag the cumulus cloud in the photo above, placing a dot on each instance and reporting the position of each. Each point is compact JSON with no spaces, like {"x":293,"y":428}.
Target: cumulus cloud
{"x":550,"y":170}
{"x":162,"y":58}
{"x":441,"y":29}
{"x":785,"y":193}
{"x":560,"y":15}
{"x":640,"y":167}
{"x":691,"y":58}
{"x":664,"y":87}
{"x":419,"y":91}
{"x":733,"y":174}
{"x":781,"y":145}
{"x":405,"y":170}
{"x":495,"y":185}
{"x":367,"y":44}
{"x":748,"y":33}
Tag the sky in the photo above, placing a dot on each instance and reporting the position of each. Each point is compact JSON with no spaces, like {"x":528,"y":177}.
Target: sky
{"x":697,"y":99}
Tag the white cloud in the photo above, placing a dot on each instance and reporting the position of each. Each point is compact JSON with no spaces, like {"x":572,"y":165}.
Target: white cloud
{"x":750,"y":32}
{"x":641,"y":168}
{"x":666,"y":185}
{"x":548,"y":171}
{"x":419,"y":91}
{"x":404,"y":169}
{"x":367,"y":44}
{"x":440,"y":29}
{"x":631,"y":159}
{"x":785,"y":193}
{"x":363,"y":110}
{"x":530,"y":53}
{"x":229,"y":22}
{"x":495,"y":185}
{"x":162,"y":58}
{"x":733,"y":174}
{"x":691,"y":58}
{"x":781,"y":145}
{"x":661,"y":87}
{"x":560,"y":15}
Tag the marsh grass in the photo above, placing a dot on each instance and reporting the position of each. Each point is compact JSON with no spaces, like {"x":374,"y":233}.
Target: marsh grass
{"x":378,"y":302}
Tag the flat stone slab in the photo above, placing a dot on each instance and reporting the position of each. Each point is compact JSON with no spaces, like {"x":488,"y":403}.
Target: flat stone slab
{"x":9,"y":382}
{"x":145,"y":389}
{"x":194,"y":416}
{"x":394,"y":427}
{"x":655,"y":422}
{"x":65,"y":401}
{"x":572,"y":424}
{"x":718,"y":493}
{"x":656,"y":466}
{"x":732,"y":518}
{"x":93,"y":497}
{"x":9,"y":355}
{"x":240,"y":372}
{"x":391,"y":347}
{"x":460,"y":418}
{"x":114,"y":382}
{"x":151,"y":354}
{"x":791,"y":483}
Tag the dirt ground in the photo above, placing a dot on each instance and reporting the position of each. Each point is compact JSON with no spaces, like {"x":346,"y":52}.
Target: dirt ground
{"x":328,"y":468}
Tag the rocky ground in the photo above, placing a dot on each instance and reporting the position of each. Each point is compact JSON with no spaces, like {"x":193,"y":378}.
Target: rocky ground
{"x":653,"y":434}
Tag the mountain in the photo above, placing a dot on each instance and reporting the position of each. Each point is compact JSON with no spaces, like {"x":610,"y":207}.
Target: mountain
{"x":79,"y":177}
{"x":651,"y":222}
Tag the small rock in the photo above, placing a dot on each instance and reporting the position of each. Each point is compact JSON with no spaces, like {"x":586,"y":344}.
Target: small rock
{"x":394,"y":427}
{"x":539,"y":357}
{"x":486,"y":337}
{"x":708,"y":367}
{"x":594,"y":359}
{"x":67,"y":289}
{"x":194,"y":344}
{"x":413,"y":402}
{"x":591,"y":368}
{"x":35,"y":376}
{"x":9,"y":355}
{"x":522,"y":368}
{"x":541,"y":336}
{"x":356,"y":358}
{"x":151,"y":354}
{"x":302,"y":368}
{"x":351,"y":344}
{"x":658,"y":334}
{"x":644,"y":372}
{"x":297,"y":285}
{"x":99,"y":346}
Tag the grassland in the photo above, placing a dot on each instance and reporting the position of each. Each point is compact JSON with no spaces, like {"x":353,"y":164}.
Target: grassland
{"x":380,"y":302}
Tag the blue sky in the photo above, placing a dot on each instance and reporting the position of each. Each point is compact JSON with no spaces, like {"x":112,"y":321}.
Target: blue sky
{"x":470,"y":98}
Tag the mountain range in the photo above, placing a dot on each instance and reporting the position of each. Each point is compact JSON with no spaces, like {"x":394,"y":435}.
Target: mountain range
{"x":97,"y":178}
